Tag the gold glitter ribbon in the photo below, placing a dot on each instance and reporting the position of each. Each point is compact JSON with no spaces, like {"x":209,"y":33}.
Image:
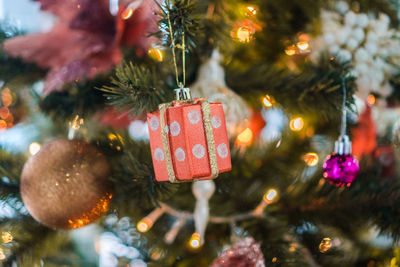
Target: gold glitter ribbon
{"x":206,"y":110}
{"x":212,"y":154}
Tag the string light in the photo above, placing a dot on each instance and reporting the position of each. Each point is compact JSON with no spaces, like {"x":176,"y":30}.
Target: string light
{"x":251,"y":10}
{"x":243,"y":34}
{"x":268,"y":101}
{"x":127,"y":13}
{"x":371,"y":99}
{"x":311,"y":159}
{"x":291,"y":50}
{"x":156,"y":54}
{"x":34,"y":148}
{"x":270,"y":195}
{"x":325,"y":245}
{"x":303,"y":46}
{"x":194,"y":241}
{"x":147,"y":222}
{"x":296,"y":124}
{"x":76,"y":123}
{"x":245,"y":137}
{"x":143,"y":225}
{"x":7,"y":237}
{"x":274,"y":259}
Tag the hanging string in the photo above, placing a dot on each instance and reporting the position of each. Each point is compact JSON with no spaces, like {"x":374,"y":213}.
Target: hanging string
{"x":344,"y":111}
{"x":183,"y":57}
{"x":173,"y":48}
{"x":174,"y":54}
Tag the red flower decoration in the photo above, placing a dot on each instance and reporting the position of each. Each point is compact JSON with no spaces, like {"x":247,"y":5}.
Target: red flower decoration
{"x":86,"y":40}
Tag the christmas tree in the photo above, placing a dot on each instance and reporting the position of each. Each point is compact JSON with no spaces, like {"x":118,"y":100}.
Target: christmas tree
{"x":202,"y":133}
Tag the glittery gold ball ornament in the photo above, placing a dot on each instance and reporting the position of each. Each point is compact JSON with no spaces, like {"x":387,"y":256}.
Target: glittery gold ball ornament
{"x":65,"y":185}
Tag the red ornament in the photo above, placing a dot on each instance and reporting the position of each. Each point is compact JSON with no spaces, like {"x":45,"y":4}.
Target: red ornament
{"x":86,"y":40}
{"x":245,"y":253}
{"x":364,"y":134}
{"x":189,"y":140}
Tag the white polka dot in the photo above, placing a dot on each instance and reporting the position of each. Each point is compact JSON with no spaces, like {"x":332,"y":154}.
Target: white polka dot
{"x":193,"y":116}
{"x":154,"y":123}
{"x":216,"y":122}
{"x":180,"y":154}
{"x":175,"y":128}
{"x":222,"y":150}
{"x":166,"y":129}
{"x":158,"y":154}
{"x":198,"y":151}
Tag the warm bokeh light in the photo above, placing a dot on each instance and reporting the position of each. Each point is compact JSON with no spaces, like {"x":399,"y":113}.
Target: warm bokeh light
{"x":6,"y":97}
{"x":76,"y":123}
{"x":156,"y":54}
{"x":243,"y":34}
{"x":274,"y":259}
{"x":245,"y":137}
{"x":127,"y":13}
{"x":143,"y":225}
{"x":303,"y":46}
{"x":371,"y":99}
{"x":296,"y":124}
{"x":270,"y":195}
{"x":251,"y":10}
{"x":34,"y":148}
{"x":194,"y":241}
{"x":290,"y":51}
{"x":3,"y":125}
{"x":7,"y":237}
{"x":325,"y":245}
{"x":268,"y":101}
{"x":2,"y":255}
{"x":4,"y":112}
{"x":311,"y":159}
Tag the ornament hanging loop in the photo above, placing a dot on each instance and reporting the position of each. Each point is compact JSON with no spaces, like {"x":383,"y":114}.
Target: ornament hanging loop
{"x":344,"y":111}
{"x":182,"y":94}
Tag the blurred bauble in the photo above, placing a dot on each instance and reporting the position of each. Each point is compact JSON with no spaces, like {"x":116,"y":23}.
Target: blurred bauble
{"x":341,"y":170}
{"x":211,"y":84}
{"x":245,"y":253}
{"x":65,"y":185}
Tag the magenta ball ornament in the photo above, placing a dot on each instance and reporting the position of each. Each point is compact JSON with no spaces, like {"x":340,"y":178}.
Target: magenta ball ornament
{"x":341,"y":170}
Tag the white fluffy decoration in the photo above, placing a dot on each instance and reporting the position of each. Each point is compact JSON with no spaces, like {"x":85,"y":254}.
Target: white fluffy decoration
{"x":364,"y":40}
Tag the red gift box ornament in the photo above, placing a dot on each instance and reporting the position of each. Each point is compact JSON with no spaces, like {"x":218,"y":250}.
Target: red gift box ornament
{"x":188,"y":139}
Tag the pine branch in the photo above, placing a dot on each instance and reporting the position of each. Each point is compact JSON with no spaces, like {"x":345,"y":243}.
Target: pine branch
{"x":185,"y":22}
{"x":135,"y":88}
